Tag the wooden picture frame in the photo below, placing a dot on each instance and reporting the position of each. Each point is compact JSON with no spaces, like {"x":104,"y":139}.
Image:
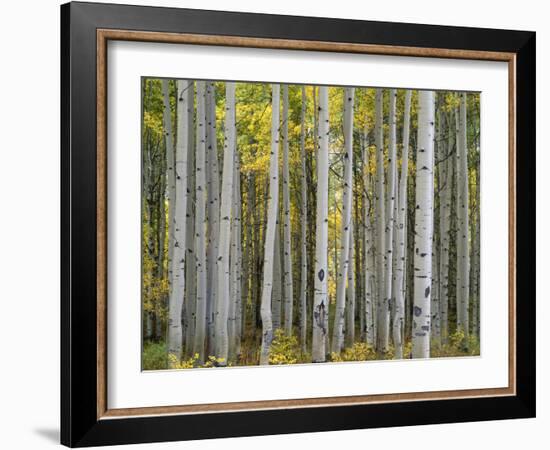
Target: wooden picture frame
{"x":85,"y":417}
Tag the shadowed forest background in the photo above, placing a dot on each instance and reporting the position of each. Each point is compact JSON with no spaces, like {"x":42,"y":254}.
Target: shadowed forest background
{"x":287,"y":224}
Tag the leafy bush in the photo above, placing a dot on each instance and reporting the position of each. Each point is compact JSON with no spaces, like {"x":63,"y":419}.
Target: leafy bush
{"x":457,"y":339}
{"x":154,"y":356}
{"x":457,"y":345}
{"x":284,"y":349}
{"x":359,"y":351}
{"x":193,"y":362}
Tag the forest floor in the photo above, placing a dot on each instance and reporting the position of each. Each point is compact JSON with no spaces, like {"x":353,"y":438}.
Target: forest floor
{"x":287,"y":350}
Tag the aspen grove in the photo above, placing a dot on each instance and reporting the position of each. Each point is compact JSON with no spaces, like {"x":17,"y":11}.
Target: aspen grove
{"x":286,"y":224}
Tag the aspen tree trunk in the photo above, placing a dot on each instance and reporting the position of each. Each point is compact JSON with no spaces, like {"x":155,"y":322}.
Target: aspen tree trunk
{"x":247,"y":264}
{"x":263,"y":228}
{"x":390,"y":215}
{"x":401,"y":248}
{"x":391,"y":209}
{"x":222,"y":260}
{"x":304,"y":225}
{"x":339,"y":317}
{"x":267,"y":325}
{"x":423,"y":239}
{"x":161,"y":257}
{"x":177,"y":288}
{"x":476,"y":256}
{"x":357,"y":239}
{"x":287,"y":267}
{"x":170,"y":172}
{"x":148,"y":206}
{"x":170,"y":196}
{"x":236,"y":264}
{"x":462,"y":240}
{"x":312,"y":206}
{"x":384,"y":313}
{"x":350,"y":303}
{"x":369,"y":254}
{"x":435,"y":305}
{"x":213,"y":213}
{"x":445,"y":191}
{"x":200,"y":223}
{"x":255,"y":239}
{"x":320,"y":304}
{"x":190,"y":263}
{"x":381,"y":309}
{"x":277,"y":292}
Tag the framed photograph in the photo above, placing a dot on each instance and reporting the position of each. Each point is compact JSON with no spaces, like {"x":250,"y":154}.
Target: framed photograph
{"x":277,"y":224}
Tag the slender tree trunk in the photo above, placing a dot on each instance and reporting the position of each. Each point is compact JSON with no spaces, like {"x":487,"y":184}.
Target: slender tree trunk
{"x":304,"y":225}
{"x":476,"y":256}
{"x":462,"y":251}
{"x":287,"y":246}
{"x":401,"y":249}
{"x":277,"y":292}
{"x":381,"y":308}
{"x":435,"y":305}
{"x":236,"y":266}
{"x":267,"y":325}
{"x":248,"y":259}
{"x":177,"y":288}
{"x":190,"y":263}
{"x":213,"y":213}
{"x":200,"y":223}
{"x":370,"y":267}
{"x":161,"y":242}
{"x":170,"y":194}
{"x":255,"y":238}
{"x":423,"y":226}
{"x":445,"y":191}
{"x":339,"y":317}
{"x":350,"y":303}
{"x":170,"y":172}
{"x":390,"y":215}
{"x":320,"y":305}
{"x":222,"y":260}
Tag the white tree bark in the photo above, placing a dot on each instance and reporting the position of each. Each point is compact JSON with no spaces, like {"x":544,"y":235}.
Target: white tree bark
{"x":370,"y":268}
{"x":381,"y":308}
{"x":350,"y":296}
{"x":190,"y":263}
{"x":435,"y":323}
{"x":222,"y":260}
{"x":235,"y":310}
{"x":445,"y":192}
{"x":177,"y":288}
{"x":287,"y":246}
{"x":277,"y":292}
{"x":304,"y":224}
{"x":390,"y":218}
{"x":267,"y":325}
{"x":213,"y":216}
{"x":462,"y":240}
{"x":423,"y":226}
{"x":320,"y":304}
{"x":339,"y":317}
{"x":435,"y":308}
{"x":170,"y":172}
{"x":200,"y":223}
{"x":400,"y":256}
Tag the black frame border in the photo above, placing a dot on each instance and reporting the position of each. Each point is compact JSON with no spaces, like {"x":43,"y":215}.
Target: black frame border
{"x":79,"y":424}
